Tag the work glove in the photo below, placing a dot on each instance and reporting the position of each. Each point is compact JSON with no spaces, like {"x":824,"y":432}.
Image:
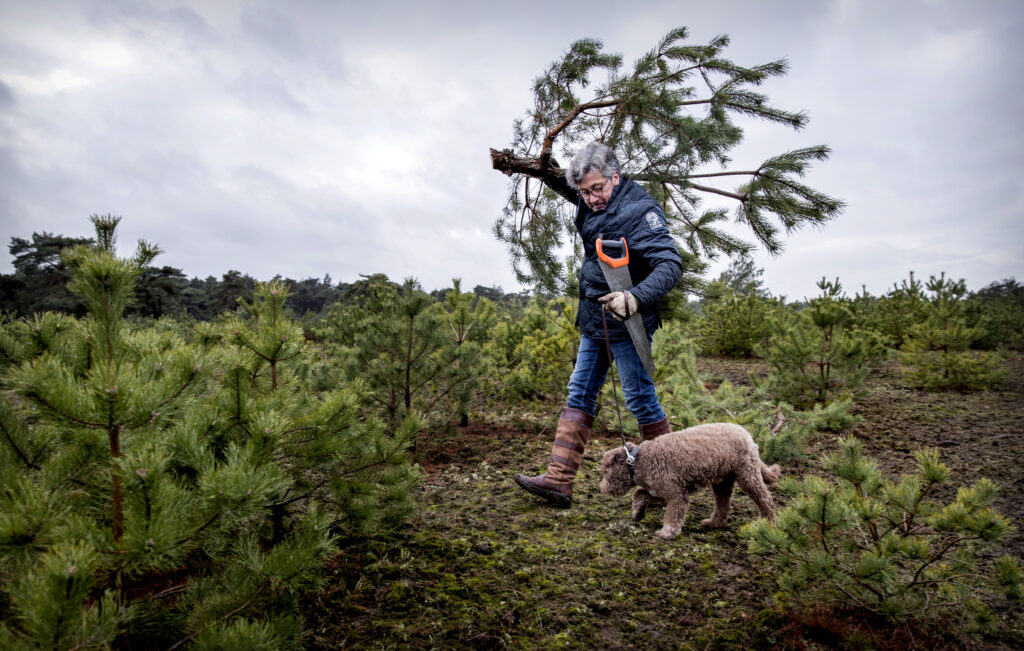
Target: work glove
{"x":622,"y":305}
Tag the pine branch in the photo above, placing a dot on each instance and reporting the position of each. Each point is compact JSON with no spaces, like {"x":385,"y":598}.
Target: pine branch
{"x":33,"y":395}
{"x":711,"y":174}
{"x":549,"y":139}
{"x":387,"y":460}
{"x":724,"y":193}
{"x":189,"y":638}
{"x":168,"y":399}
{"x":198,"y":531}
{"x":10,"y":440}
{"x":939,"y":555}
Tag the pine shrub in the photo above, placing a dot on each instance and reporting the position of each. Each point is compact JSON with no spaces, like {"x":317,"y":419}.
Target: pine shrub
{"x":899,"y":310}
{"x":857,"y":540}
{"x":814,"y":357}
{"x":780,"y":431}
{"x":396,"y":342}
{"x":161,"y":489}
{"x":545,"y":345}
{"x":999,"y":308}
{"x":936,"y":354}
{"x":469,"y":319}
{"x":734,"y":325}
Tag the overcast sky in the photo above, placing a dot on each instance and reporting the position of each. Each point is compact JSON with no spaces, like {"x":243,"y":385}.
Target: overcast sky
{"x":343,"y":138}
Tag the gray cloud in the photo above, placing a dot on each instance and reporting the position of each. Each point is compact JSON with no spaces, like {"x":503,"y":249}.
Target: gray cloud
{"x":6,"y":96}
{"x":273,"y":29}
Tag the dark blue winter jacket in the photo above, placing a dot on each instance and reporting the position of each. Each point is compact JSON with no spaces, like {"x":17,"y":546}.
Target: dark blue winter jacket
{"x":655,"y":265}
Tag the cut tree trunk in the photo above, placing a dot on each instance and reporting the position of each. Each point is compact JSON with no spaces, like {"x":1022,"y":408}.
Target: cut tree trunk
{"x":508,"y":163}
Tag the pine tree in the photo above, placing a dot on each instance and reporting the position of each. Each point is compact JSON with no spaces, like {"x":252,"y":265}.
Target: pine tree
{"x":546,"y":351}
{"x":396,"y":343}
{"x":812,"y":354}
{"x":128,"y":380}
{"x":671,"y":122}
{"x":866,"y":323}
{"x":135,"y":458}
{"x":936,"y":351}
{"x":743,"y":277}
{"x":734,"y":325}
{"x":855,"y":539}
{"x":897,"y":311}
{"x":1000,"y":308}
{"x":469,"y":319}
{"x":39,"y":282}
{"x":68,"y":462}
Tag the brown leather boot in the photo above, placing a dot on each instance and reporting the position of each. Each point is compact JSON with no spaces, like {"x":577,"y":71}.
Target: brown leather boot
{"x":566,"y":455}
{"x":654,"y":430}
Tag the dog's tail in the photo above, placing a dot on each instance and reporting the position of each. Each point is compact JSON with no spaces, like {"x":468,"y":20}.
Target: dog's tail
{"x":770,"y":474}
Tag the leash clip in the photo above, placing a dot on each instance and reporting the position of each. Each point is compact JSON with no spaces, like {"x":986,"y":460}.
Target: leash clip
{"x":630,"y":456}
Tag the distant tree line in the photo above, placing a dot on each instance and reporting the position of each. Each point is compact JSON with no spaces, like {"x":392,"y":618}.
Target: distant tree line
{"x":40,"y":278}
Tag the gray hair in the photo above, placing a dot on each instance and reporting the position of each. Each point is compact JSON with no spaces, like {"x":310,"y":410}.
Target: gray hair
{"x":595,"y":156}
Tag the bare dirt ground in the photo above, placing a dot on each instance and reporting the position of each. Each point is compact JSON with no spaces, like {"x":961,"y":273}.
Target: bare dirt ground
{"x":484,"y":565}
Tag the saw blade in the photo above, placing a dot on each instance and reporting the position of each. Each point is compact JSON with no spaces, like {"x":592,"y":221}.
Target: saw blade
{"x":616,"y":274}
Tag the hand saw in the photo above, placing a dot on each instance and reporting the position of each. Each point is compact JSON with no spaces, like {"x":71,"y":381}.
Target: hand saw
{"x":616,"y":273}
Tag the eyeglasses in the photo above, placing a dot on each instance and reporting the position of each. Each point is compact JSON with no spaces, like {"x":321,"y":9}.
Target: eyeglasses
{"x":596,"y":190}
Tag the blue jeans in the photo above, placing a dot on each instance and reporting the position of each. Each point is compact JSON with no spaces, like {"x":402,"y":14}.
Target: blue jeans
{"x":592,"y":367}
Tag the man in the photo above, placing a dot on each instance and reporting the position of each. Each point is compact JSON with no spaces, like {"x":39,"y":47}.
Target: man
{"x":609,"y":206}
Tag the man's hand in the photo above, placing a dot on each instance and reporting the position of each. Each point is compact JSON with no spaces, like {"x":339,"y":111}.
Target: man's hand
{"x":622,"y":305}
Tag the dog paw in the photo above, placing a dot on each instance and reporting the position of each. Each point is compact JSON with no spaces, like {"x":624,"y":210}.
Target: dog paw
{"x":711,"y":524}
{"x":666,"y":533}
{"x":639,"y":512}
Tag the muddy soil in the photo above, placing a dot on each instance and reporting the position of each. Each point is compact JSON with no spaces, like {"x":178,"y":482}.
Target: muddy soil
{"x":481,"y":564}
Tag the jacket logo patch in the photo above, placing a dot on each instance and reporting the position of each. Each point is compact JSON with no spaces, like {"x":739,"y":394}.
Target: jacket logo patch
{"x":653,"y":221}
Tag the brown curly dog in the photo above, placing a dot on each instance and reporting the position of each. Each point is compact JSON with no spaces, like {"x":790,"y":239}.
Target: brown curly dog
{"x":674,"y":465}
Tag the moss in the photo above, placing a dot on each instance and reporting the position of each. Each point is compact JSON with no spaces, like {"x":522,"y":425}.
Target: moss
{"x":483,"y":565}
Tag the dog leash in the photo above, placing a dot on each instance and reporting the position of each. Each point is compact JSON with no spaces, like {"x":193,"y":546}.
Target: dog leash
{"x":630,"y":456}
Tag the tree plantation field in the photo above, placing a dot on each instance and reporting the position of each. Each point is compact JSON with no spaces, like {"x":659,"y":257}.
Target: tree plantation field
{"x":482,"y":564}
{"x":253,"y":482}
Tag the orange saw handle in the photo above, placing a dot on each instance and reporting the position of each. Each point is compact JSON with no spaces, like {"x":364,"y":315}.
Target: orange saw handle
{"x":614,"y":263}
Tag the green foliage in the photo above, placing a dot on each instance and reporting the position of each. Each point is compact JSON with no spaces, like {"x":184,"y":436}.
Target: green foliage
{"x":269,"y":335}
{"x":539,"y":351}
{"x":671,"y":122}
{"x":936,"y":352}
{"x":39,"y":282}
{"x":999,"y":307}
{"x":858,"y":540}
{"x":54,"y":598}
{"x":397,"y":344}
{"x":734,"y":325}
{"x":175,"y":487}
{"x":899,"y":310}
{"x":866,"y":325}
{"x":813,"y":355}
{"x":158,"y":292}
{"x":780,"y":431}
{"x":469,"y":318}
{"x":743,"y":277}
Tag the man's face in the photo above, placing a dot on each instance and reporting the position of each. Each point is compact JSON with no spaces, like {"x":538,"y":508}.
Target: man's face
{"x":597,"y":190}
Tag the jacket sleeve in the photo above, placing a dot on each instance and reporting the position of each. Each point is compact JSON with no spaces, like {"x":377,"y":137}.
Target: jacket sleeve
{"x":653,"y":243}
{"x":561,"y":186}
